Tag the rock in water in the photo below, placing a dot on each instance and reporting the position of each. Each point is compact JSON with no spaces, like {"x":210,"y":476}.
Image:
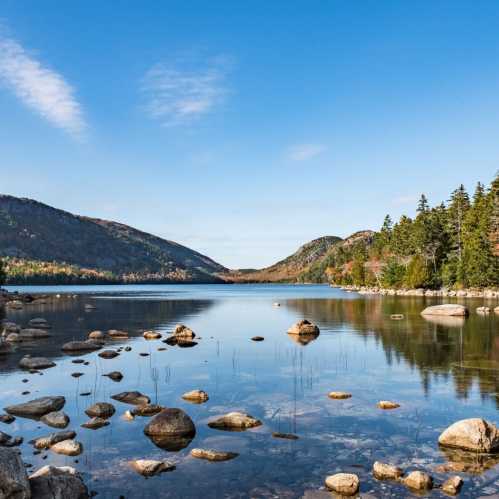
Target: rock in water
{"x":115,"y":333}
{"x":483,"y":310}
{"x":95,"y":423}
{"x":146,"y":410}
{"x":182,"y":331}
{"x":33,"y":334}
{"x":171,"y":429}
{"x":383,"y":471}
{"x":452,"y":485}
{"x":81,"y":346}
{"x":213,"y":455}
{"x":52,"y":439}
{"x":96,"y":335}
{"x":133,"y":398}
{"x":114,"y":375}
{"x":258,"y":338}
{"x":67,"y":448}
{"x":13,"y":477}
{"x":149,"y":467}
{"x":108,"y":354}
{"x":418,"y":480}
{"x":152,"y":335}
{"x":345,"y":484}
{"x":37,"y":407}
{"x":388,"y":404}
{"x":101,"y":410}
{"x":235,"y":421}
{"x":339,"y":395}
{"x":473,"y":434}
{"x":197,"y":396}
{"x":56,"y":419}
{"x":28,"y":362}
{"x":449,"y":309}
{"x":52,"y":482}
{"x":304,"y":327}
{"x":39,"y":322}
{"x":285,"y":436}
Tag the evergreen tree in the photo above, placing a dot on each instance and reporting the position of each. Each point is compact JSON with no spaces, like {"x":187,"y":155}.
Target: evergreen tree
{"x":2,"y":273}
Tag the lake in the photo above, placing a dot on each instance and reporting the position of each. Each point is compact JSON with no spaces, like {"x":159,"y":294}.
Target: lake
{"x":439,"y":370}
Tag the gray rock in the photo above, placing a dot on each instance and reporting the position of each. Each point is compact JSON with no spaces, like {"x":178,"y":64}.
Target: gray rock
{"x":101,"y":410}
{"x":172,"y":429}
{"x":51,"y":482}
{"x":235,"y":421}
{"x":95,"y":423}
{"x":448,"y":309}
{"x":39,"y":322}
{"x":13,"y":477}
{"x":474,"y":434}
{"x":81,"y":346}
{"x":56,"y":419}
{"x":149,"y":467}
{"x":52,"y":439}
{"x":8,"y":441}
{"x":133,"y":398}
{"x":37,"y":407}
{"x":28,"y":362}
{"x":33,"y":334}
{"x":213,"y":455}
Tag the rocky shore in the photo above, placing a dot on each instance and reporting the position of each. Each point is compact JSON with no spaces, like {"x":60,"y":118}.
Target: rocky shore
{"x":445,"y":293}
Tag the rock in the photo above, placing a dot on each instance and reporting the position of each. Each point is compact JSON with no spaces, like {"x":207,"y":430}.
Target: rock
{"x":396,"y":317}
{"x":39,"y":322}
{"x":418,"y":480}
{"x":197,"y":396}
{"x":37,"y":407}
{"x":81,"y":346}
{"x":450,"y":309}
{"x":387,"y":405}
{"x":7,"y":418}
{"x":52,"y":482}
{"x":56,"y":419}
{"x":77,"y":375}
{"x":67,"y":448}
{"x":483,"y":310}
{"x":474,"y":434}
{"x":235,"y":421}
{"x":383,"y":471}
{"x":8,"y":441}
{"x":101,"y":410}
{"x":213,"y":455}
{"x":171,"y":340}
{"x":496,"y":310}
{"x":285,"y":436}
{"x":33,"y":334}
{"x":304,"y":327}
{"x":339,"y":395}
{"x":152,"y":335}
{"x":133,"y":398}
{"x":5,"y":346}
{"x":345,"y":484}
{"x":182,"y":331}
{"x":96,"y":335}
{"x":13,"y":338}
{"x":108,"y":354}
{"x":52,"y":439}
{"x":114,"y":375}
{"x":28,"y":362}
{"x":181,"y":343}
{"x":147,"y":410}
{"x":148,"y":467}
{"x":95,"y":423}
{"x":171,"y":429}
{"x":128,"y":416}
{"x":452,"y":485}
{"x":115,"y":333}
{"x":257,"y":338}
{"x":13,"y":477}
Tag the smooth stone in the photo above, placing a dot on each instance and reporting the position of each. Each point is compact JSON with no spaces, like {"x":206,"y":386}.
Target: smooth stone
{"x":452,"y":485}
{"x":39,"y":322}
{"x":387,"y":405}
{"x":152,"y":335}
{"x":96,"y":335}
{"x":77,"y":375}
{"x":114,"y":376}
{"x":133,"y":398}
{"x":52,"y":439}
{"x":304,"y":327}
{"x":115,"y":333}
{"x":418,"y":480}
{"x":147,"y":410}
{"x":56,"y":419}
{"x":67,"y":448}
{"x":28,"y":362}
{"x":236,"y":421}
{"x":286,"y":436}
{"x":339,"y":395}
{"x":213,"y":455}
{"x":108,"y":354}
{"x":384,"y":471}
{"x":346,"y":484}
{"x":198,"y":396}
{"x":182,"y":331}
{"x":7,"y":418}
{"x":52,"y":482}
{"x":396,"y":317}
{"x":258,"y":338}
{"x":37,"y":407}
{"x":474,"y":434}
{"x":149,"y":467}
{"x":172,"y":429}
{"x":449,"y":309}
{"x":101,"y":410}
{"x":81,"y":346}
{"x":95,"y":423}
{"x":13,"y":477}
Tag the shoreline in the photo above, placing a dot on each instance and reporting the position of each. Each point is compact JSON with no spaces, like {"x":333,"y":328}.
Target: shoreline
{"x":492,"y":294}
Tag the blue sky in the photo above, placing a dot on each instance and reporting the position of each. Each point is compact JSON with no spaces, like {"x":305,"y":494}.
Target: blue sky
{"x":244,"y":129}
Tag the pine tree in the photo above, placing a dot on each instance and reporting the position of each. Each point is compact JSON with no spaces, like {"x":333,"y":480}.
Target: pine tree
{"x":459,"y":204}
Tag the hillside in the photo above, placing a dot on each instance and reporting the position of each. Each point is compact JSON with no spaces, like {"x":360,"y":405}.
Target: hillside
{"x":49,"y":244}
{"x":289,"y":269}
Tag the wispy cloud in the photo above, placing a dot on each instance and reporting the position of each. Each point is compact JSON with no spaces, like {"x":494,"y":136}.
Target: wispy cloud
{"x":302,"y":152}
{"x":178,"y":95}
{"x":40,"y":88}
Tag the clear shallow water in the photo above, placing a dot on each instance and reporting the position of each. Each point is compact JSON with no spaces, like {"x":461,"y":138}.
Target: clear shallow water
{"x":438,"y":371}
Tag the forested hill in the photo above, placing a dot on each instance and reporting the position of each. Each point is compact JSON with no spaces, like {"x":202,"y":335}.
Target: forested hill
{"x":44,"y":244}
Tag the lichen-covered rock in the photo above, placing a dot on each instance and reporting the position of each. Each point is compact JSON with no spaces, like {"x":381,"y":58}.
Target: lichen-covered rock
{"x":101,"y":410}
{"x":52,"y":482}
{"x":346,"y":484}
{"x":449,"y":309}
{"x":235,"y":421}
{"x":37,"y":407}
{"x":418,"y":480}
{"x":56,"y":419}
{"x":213,"y":455}
{"x":197,"y":396}
{"x":384,"y":471}
{"x":149,"y":467}
{"x":13,"y":477}
{"x":474,"y":434}
{"x":304,"y":327}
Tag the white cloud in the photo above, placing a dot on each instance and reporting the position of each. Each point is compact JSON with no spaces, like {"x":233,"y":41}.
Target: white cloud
{"x":303,"y":152}
{"x":176,"y":95}
{"x":40,"y":88}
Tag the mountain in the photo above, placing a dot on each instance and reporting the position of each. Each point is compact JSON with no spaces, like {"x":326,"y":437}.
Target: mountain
{"x":45,"y":244}
{"x":289,"y":269}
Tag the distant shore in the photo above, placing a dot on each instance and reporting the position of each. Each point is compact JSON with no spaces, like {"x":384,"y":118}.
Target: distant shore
{"x":446,"y":293}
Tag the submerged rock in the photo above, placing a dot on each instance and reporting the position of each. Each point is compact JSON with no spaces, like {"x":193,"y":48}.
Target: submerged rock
{"x":147,"y":410}
{"x":418,"y":480}
{"x":213,"y":455}
{"x":346,"y":484}
{"x":235,"y":421}
{"x":52,"y":482}
{"x":115,"y":333}
{"x":285,"y":436}
{"x":67,"y":448}
{"x":449,"y":309}
{"x":149,"y":467}
{"x":197,"y":396}
{"x":452,"y":485}
{"x":37,"y":407}
{"x":108,"y":354}
{"x":28,"y":362}
{"x":304,"y":327}
{"x":81,"y":346}
{"x":101,"y":410}
{"x":474,"y":434}
{"x":388,"y":404}
{"x":133,"y":398}
{"x":13,"y":477}
{"x":95,"y":423}
{"x":56,"y":419}
{"x":339,"y":395}
{"x":383,"y":471}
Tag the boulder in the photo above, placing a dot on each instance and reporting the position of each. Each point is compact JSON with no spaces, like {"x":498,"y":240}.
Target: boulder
{"x":452,"y":485}
{"x":133,"y":398}
{"x":172,"y":429}
{"x":182,"y":331}
{"x":81,"y":346}
{"x":304,"y":327}
{"x":339,"y":395}
{"x":146,"y":410}
{"x":67,"y":448}
{"x":13,"y":477}
{"x":235,"y":421}
{"x":28,"y":362}
{"x":152,"y":335}
{"x":213,"y":455}
{"x":101,"y":410}
{"x":346,"y":484}
{"x":149,"y":467}
{"x":52,"y":482}
{"x":474,"y":434}
{"x":418,"y":480}
{"x":52,"y":439}
{"x":116,"y":333}
{"x":37,"y":407}
{"x":448,"y":309}
{"x":197,"y":396}
{"x":56,"y":419}
{"x":96,"y":335}
{"x":383,"y":471}
{"x":95,"y":423}
{"x":39,"y":322}
{"x":108,"y":354}
{"x":388,"y":405}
